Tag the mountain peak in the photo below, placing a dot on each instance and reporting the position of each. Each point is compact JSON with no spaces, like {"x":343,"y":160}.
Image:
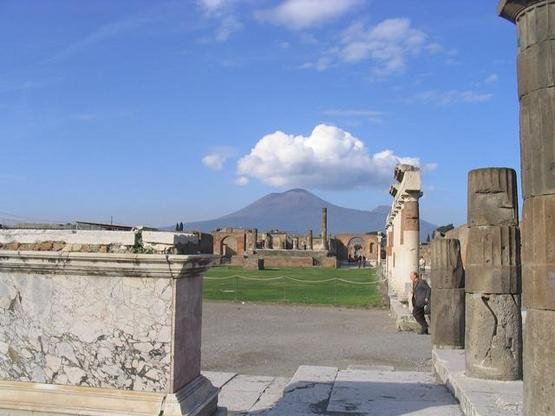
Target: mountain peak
{"x":298,"y":210}
{"x":298,"y":190}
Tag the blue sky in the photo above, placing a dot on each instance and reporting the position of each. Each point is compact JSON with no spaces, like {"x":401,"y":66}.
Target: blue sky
{"x":154,"y":111}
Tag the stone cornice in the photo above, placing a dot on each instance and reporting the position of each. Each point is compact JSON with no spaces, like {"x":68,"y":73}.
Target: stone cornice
{"x":95,"y":264}
{"x":511,"y":9}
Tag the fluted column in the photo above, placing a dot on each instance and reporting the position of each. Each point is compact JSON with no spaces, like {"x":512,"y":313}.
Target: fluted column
{"x":535,"y":20}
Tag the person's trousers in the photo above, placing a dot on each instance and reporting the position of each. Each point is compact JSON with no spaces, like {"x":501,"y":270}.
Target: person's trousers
{"x":420,"y":317}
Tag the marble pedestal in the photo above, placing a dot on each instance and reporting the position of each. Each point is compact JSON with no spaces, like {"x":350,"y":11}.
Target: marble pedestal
{"x":102,"y":334}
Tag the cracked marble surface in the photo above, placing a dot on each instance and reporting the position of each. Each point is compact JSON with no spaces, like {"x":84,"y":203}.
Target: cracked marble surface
{"x":86,"y":330}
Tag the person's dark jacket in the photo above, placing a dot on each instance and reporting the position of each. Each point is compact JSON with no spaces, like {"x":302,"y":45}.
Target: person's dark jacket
{"x":422,"y":292}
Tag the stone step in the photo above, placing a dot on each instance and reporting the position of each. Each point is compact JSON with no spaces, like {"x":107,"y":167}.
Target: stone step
{"x":371,"y":392}
{"x":321,"y":391}
{"x":308,"y":392}
{"x":244,"y":394}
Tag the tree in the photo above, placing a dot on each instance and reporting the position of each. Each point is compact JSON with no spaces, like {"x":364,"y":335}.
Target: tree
{"x":180,"y":226}
{"x":428,"y":238}
{"x":176,"y":226}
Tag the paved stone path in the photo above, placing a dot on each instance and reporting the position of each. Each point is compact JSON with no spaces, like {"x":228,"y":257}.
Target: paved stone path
{"x":327,"y":391}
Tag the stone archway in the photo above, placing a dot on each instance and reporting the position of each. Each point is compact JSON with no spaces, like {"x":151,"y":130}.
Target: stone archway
{"x":228,"y":246}
{"x":355,"y":247}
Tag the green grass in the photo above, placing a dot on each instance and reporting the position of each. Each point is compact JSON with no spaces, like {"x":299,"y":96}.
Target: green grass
{"x":298,"y":292}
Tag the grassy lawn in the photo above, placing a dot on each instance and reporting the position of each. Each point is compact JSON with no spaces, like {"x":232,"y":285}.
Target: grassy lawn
{"x":306,"y":288}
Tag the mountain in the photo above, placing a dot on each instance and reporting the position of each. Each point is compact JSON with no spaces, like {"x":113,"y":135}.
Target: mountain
{"x":297,"y":211}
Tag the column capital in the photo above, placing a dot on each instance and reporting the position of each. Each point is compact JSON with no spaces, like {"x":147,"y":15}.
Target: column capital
{"x":510,"y":9}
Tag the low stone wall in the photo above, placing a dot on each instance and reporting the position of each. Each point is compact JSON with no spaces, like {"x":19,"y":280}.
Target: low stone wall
{"x":280,"y":262}
{"x":328,"y":262}
{"x":72,"y":323}
{"x":88,"y":241}
{"x":290,"y":253}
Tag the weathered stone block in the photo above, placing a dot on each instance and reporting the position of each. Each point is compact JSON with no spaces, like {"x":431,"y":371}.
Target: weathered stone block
{"x":447,"y":319}
{"x":493,"y":338}
{"x":536,"y":22}
{"x":492,"y":197}
{"x":94,"y":323}
{"x":539,"y":362}
{"x":535,"y":67}
{"x":538,"y":252}
{"x":493,"y":260}
{"x":254,"y":263}
{"x":446,"y":269}
{"x":537,"y":128}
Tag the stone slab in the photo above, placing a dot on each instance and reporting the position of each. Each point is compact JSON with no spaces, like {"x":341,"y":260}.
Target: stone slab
{"x":538,"y":252}
{"x":271,"y":396}
{"x":493,"y":260}
{"x":477,"y":397}
{"x":539,"y":362}
{"x":492,"y":197}
{"x":390,"y":393}
{"x":307,"y":393}
{"x":493,"y":336}
{"x":242,"y":392}
{"x":217,"y":378}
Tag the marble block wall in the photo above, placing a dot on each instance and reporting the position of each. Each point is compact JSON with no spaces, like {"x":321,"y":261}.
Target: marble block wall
{"x":128,"y":322}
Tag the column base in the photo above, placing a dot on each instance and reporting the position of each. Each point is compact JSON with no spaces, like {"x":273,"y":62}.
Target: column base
{"x":198,"y":398}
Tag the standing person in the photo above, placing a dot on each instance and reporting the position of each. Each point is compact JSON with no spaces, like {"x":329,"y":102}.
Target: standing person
{"x":364,"y":262}
{"x":421,"y":295}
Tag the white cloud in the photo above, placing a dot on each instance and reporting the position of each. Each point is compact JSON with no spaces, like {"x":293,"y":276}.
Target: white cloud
{"x":387,"y":46}
{"x":492,"y":79}
{"x":212,"y":6}
{"x":451,"y":97}
{"x":370,"y":115}
{"x":430,"y":167}
{"x":228,"y":26}
{"x":329,"y":158}
{"x":302,"y":14}
{"x":241,"y":181}
{"x":223,"y":12}
{"x":217,"y":158}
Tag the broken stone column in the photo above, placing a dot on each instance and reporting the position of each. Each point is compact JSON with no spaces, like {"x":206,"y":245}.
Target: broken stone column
{"x":535,"y":20}
{"x":493,"y":337}
{"x":295,"y":243}
{"x":310,"y":240}
{"x":448,"y":294}
{"x":324,"y":229}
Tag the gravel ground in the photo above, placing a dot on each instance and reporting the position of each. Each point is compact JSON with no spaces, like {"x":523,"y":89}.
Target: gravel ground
{"x":274,"y":340}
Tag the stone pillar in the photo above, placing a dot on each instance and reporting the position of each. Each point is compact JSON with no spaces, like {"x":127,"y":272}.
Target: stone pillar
{"x":493,"y":338}
{"x":535,"y":20}
{"x":310,"y":240}
{"x":295,"y":243}
{"x":324,"y":229}
{"x":403,"y":231}
{"x":448,"y":296}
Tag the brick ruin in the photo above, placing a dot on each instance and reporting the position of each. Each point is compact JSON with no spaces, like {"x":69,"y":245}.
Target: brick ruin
{"x":246,"y":247}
